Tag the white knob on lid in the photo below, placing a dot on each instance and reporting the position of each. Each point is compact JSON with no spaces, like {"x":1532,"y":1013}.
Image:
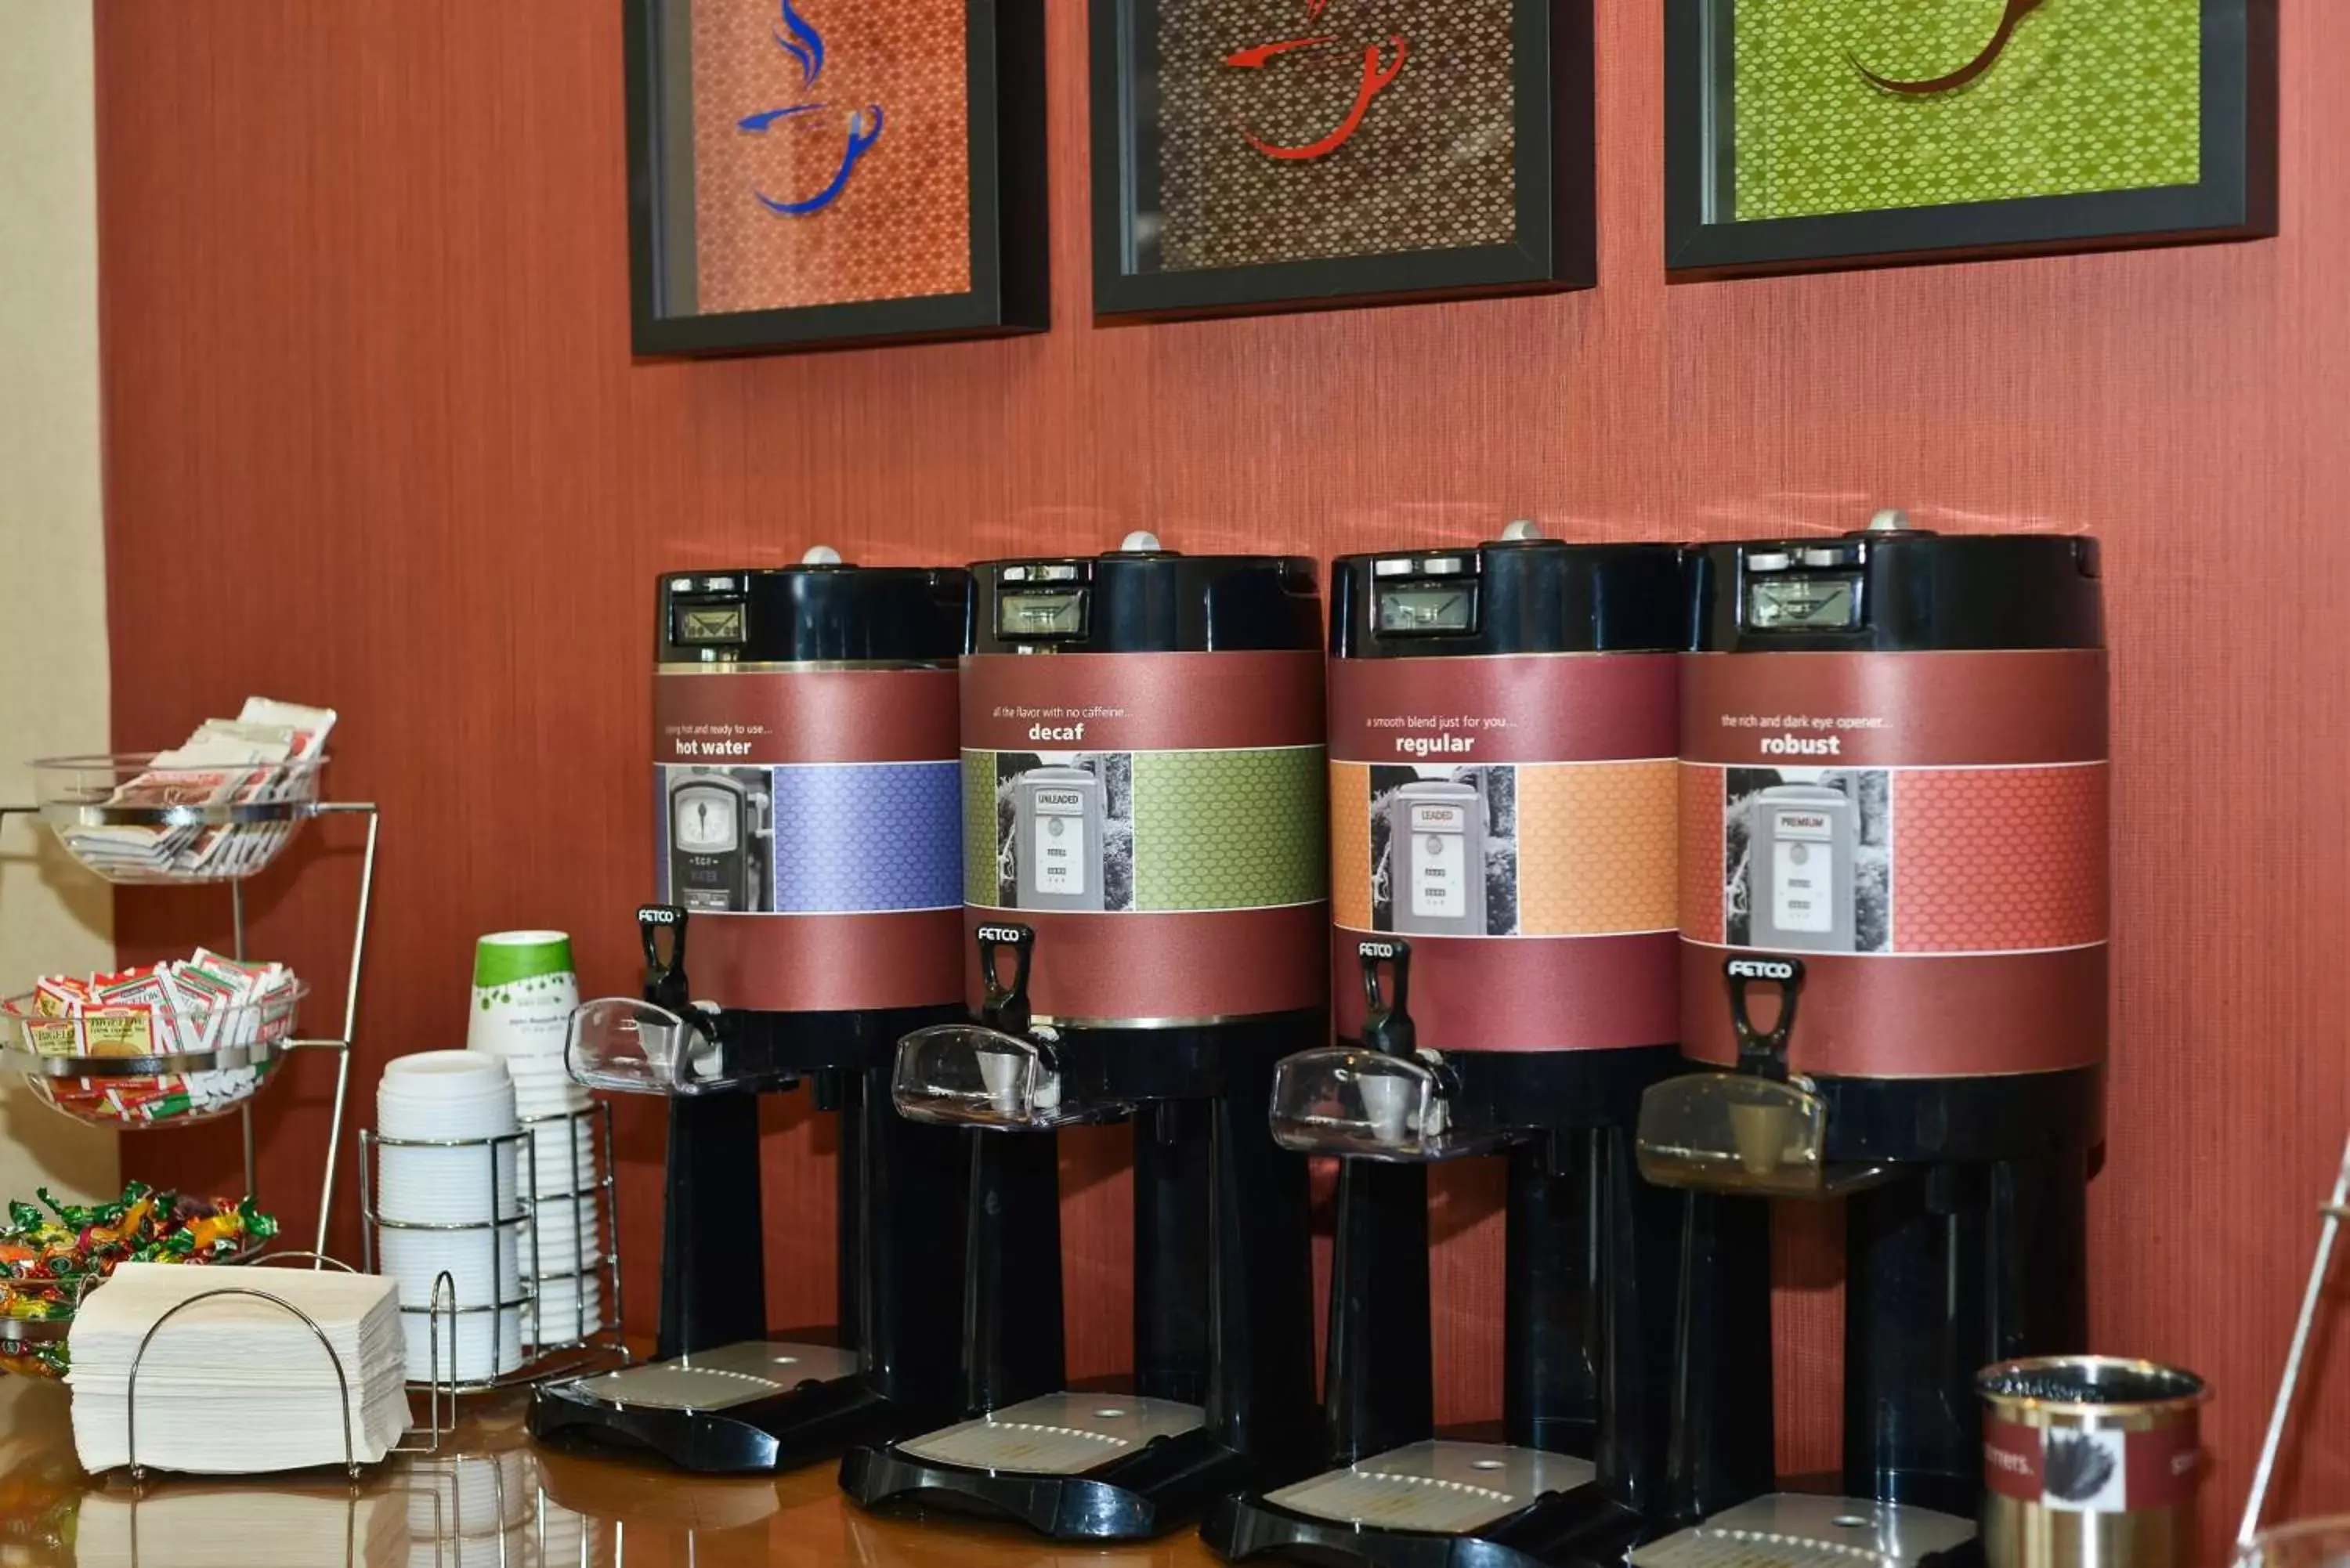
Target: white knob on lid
{"x":1891,"y":519}
{"x":1523,"y":528}
{"x":821,"y":556}
{"x":1141,"y":542}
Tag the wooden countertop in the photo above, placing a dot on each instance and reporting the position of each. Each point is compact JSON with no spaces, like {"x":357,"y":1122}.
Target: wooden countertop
{"x":490,"y":1499}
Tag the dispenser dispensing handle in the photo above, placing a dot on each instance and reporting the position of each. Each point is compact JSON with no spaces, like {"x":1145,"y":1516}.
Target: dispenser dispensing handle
{"x":996,"y":1072}
{"x":661,"y":1043}
{"x":665,"y":982}
{"x":1387,"y":1023}
{"x":1378,"y":1096}
{"x":1005,"y":1007}
{"x":1762,"y":1053}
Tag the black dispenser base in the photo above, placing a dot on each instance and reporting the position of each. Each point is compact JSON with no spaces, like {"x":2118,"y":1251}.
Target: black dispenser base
{"x":1577,"y":1528}
{"x":1163,"y":1487}
{"x":809,"y":1425}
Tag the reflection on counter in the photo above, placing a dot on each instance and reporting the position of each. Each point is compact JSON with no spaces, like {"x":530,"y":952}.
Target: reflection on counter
{"x":872,"y":1541}
{"x":199,"y":1526}
{"x":489,"y":1499}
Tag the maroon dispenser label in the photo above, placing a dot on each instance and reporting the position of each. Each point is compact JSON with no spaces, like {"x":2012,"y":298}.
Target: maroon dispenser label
{"x":2078,"y":1470}
{"x":810,"y":822}
{"x":1517,"y":708}
{"x":1514,"y":818}
{"x":1142,"y":702}
{"x":1159,"y":820}
{"x":1926,"y":831}
{"x":798,"y":716}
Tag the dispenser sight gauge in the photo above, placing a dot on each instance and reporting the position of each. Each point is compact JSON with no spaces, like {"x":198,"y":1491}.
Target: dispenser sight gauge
{"x":710,"y":624}
{"x":1041,"y":615}
{"x":1450,"y":608}
{"x":1831,"y":603}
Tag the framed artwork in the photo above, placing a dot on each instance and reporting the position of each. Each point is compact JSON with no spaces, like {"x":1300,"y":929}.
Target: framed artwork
{"x":1254,"y":155}
{"x":1806,"y":134}
{"x":822,"y":173}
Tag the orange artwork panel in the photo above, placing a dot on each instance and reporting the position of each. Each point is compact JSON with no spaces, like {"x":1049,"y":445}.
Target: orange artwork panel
{"x":1999,"y":859}
{"x":1596,"y":848}
{"x":831,"y":152}
{"x":1350,"y":846}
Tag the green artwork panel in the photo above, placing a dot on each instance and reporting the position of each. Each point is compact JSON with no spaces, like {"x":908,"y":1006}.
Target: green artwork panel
{"x":2086,"y":95}
{"x":1230,"y":830}
{"x":980,"y":836}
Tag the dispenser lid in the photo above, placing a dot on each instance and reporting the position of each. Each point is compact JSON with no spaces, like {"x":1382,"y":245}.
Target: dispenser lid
{"x":1521,"y":592}
{"x":823,"y":610}
{"x":1146,"y":598}
{"x":1893,"y":587}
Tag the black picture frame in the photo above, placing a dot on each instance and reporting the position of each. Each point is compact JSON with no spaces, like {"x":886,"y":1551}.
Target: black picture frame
{"x":2235,"y":200}
{"x":1010,"y":285}
{"x":1557,"y":244}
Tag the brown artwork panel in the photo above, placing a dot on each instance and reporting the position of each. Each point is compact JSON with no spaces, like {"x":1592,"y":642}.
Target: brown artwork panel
{"x":900,"y":228}
{"x":1431,"y":165}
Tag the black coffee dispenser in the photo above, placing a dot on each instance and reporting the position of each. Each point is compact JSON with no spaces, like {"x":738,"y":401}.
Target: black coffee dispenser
{"x":1502,"y":724}
{"x":1147,"y":909}
{"x":1893,"y":941}
{"x":808,"y":777}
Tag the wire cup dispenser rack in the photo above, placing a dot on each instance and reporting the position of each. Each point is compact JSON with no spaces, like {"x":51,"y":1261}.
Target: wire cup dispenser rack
{"x":80,"y":801}
{"x":562,"y":1345}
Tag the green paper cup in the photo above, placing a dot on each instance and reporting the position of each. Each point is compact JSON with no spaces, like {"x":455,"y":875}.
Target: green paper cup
{"x":524,"y":992}
{"x":511,"y":957}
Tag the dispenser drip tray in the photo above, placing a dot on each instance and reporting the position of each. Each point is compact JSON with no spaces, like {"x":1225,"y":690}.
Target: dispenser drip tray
{"x":1733,"y":1132}
{"x":1370,"y":1106}
{"x":1058,"y":1435}
{"x":961,"y":1074}
{"x":1439,"y":1488}
{"x":722,"y":1378}
{"x":1791,"y":1532}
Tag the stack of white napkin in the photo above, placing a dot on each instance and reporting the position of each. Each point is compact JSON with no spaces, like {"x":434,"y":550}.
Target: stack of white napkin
{"x":234,"y":1384}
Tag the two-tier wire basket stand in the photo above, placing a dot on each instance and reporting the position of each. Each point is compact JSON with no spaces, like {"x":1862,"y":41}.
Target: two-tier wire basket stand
{"x":82,"y":799}
{"x":77,"y":808}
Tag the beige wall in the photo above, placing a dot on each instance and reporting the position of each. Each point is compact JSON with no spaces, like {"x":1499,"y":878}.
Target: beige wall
{"x":53,"y":679}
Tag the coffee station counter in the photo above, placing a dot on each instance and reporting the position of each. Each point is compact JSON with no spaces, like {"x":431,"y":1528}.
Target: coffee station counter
{"x":491,"y":1496}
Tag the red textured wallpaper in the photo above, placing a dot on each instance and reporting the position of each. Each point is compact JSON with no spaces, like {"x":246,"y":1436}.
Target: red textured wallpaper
{"x":374,"y":439}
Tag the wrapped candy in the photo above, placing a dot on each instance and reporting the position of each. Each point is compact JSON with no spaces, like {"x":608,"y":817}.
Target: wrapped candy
{"x":52,"y":1252}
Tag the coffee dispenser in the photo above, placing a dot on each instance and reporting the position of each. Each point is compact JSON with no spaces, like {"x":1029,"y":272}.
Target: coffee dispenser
{"x":1502,"y":790}
{"x":808,"y":832}
{"x":1894,"y":915}
{"x":1147,"y":916}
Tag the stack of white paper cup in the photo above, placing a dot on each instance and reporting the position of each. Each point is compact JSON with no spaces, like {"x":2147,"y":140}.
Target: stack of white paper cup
{"x":525,"y":992}
{"x":448,"y":1202}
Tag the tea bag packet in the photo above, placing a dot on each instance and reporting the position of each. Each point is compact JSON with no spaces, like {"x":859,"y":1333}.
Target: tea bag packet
{"x":133,"y":1014}
{"x":309,"y":726}
{"x":187,"y":1006}
{"x":238,"y":761}
{"x":249,"y":999}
